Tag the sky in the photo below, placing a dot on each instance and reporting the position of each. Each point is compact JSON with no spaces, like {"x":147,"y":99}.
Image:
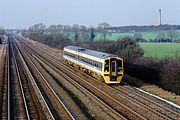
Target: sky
{"x":25,"y":13}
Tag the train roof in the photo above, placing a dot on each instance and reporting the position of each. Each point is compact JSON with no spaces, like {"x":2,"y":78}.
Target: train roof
{"x":90,"y":52}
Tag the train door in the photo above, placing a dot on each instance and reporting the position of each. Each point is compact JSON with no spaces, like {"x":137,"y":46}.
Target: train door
{"x":113,"y":68}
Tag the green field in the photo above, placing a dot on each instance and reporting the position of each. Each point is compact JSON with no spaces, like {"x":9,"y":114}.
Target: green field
{"x":161,"y":50}
{"x":145,"y":35}
{"x":116,"y":36}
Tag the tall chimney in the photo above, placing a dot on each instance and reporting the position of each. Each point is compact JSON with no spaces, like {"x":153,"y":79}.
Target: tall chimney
{"x":159,"y":17}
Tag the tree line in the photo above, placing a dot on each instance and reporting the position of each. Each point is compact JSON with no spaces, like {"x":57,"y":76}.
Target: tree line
{"x":2,"y":33}
{"x":79,"y":32}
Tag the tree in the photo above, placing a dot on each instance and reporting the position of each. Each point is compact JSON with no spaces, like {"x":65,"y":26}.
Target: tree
{"x":85,"y":36}
{"x":172,"y":34}
{"x":38,"y":28}
{"x":75,"y":27}
{"x":92,"y":34}
{"x":103,"y":29}
{"x":161,"y":37}
{"x":76,"y":36}
{"x":2,"y":33}
{"x":59,"y":28}
{"x":52,"y":28}
{"x":83,"y":28}
{"x":104,"y":25}
{"x":137,"y":37}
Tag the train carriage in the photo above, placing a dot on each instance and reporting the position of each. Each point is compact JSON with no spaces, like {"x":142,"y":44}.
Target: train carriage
{"x":105,"y":67}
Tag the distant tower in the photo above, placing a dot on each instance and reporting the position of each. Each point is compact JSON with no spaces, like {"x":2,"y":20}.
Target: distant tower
{"x":159,"y":17}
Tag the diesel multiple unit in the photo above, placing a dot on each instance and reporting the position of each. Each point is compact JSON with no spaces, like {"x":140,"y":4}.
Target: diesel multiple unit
{"x":105,"y":67}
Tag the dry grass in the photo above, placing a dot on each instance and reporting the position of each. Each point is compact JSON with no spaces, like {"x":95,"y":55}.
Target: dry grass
{"x":153,"y":89}
{"x":162,"y":93}
{"x":55,"y":50}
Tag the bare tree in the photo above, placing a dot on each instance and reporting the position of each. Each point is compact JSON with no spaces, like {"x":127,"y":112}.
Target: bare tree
{"x":59,"y":28}
{"x":2,"y":33}
{"x":103,"y":29}
{"x":75,"y":27}
{"x":104,"y":25}
{"x":38,"y":28}
{"x":52,"y":28}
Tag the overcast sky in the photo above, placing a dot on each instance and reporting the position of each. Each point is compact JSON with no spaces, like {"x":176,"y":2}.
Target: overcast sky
{"x":24,"y":13}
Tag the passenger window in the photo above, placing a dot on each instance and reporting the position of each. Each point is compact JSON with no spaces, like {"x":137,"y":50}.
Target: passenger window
{"x":106,"y":66}
{"x":119,"y":65}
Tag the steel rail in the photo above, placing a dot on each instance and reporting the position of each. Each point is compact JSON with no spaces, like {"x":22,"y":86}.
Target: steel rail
{"x":8,"y":82}
{"x":61,"y":103}
{"x":65,"y":108}
{"x":168,"y":111}
{"x":34,"y":83}
{"x":20,"y":83}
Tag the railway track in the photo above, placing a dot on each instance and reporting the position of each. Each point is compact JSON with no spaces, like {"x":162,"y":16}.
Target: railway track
{"x":152,"y":104}
{"x":161,"y":112}
{"x":59,"y":110}
{"x":100,"y":103}
{"x":152,"y":98}
{"x":20,"y":97}
{"x":111,"y":101}
{"x":17,"y":104}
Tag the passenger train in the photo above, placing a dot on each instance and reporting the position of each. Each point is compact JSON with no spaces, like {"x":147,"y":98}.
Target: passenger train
{"x":105,"y":67}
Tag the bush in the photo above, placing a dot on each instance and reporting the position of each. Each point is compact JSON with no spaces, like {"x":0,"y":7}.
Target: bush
{"x":58,"y":41}
{"x":126,"y":48}
{"x":165,"y":73}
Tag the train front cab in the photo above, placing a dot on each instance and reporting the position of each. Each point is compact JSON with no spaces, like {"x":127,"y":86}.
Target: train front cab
{"x":113,"y":70}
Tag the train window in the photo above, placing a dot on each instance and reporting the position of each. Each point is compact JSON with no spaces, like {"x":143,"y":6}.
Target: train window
{"x":119,"y":65}
{"x":106,"y":66}
{"x":113,"y":65}
{"x":100,"y":66}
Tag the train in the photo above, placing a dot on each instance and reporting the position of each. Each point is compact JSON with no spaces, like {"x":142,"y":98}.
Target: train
{"x":105,"y":67}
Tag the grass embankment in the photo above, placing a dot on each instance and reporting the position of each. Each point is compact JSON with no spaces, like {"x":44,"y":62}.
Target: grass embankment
{"x":161,"y":50}
{"x":153,"y":89}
